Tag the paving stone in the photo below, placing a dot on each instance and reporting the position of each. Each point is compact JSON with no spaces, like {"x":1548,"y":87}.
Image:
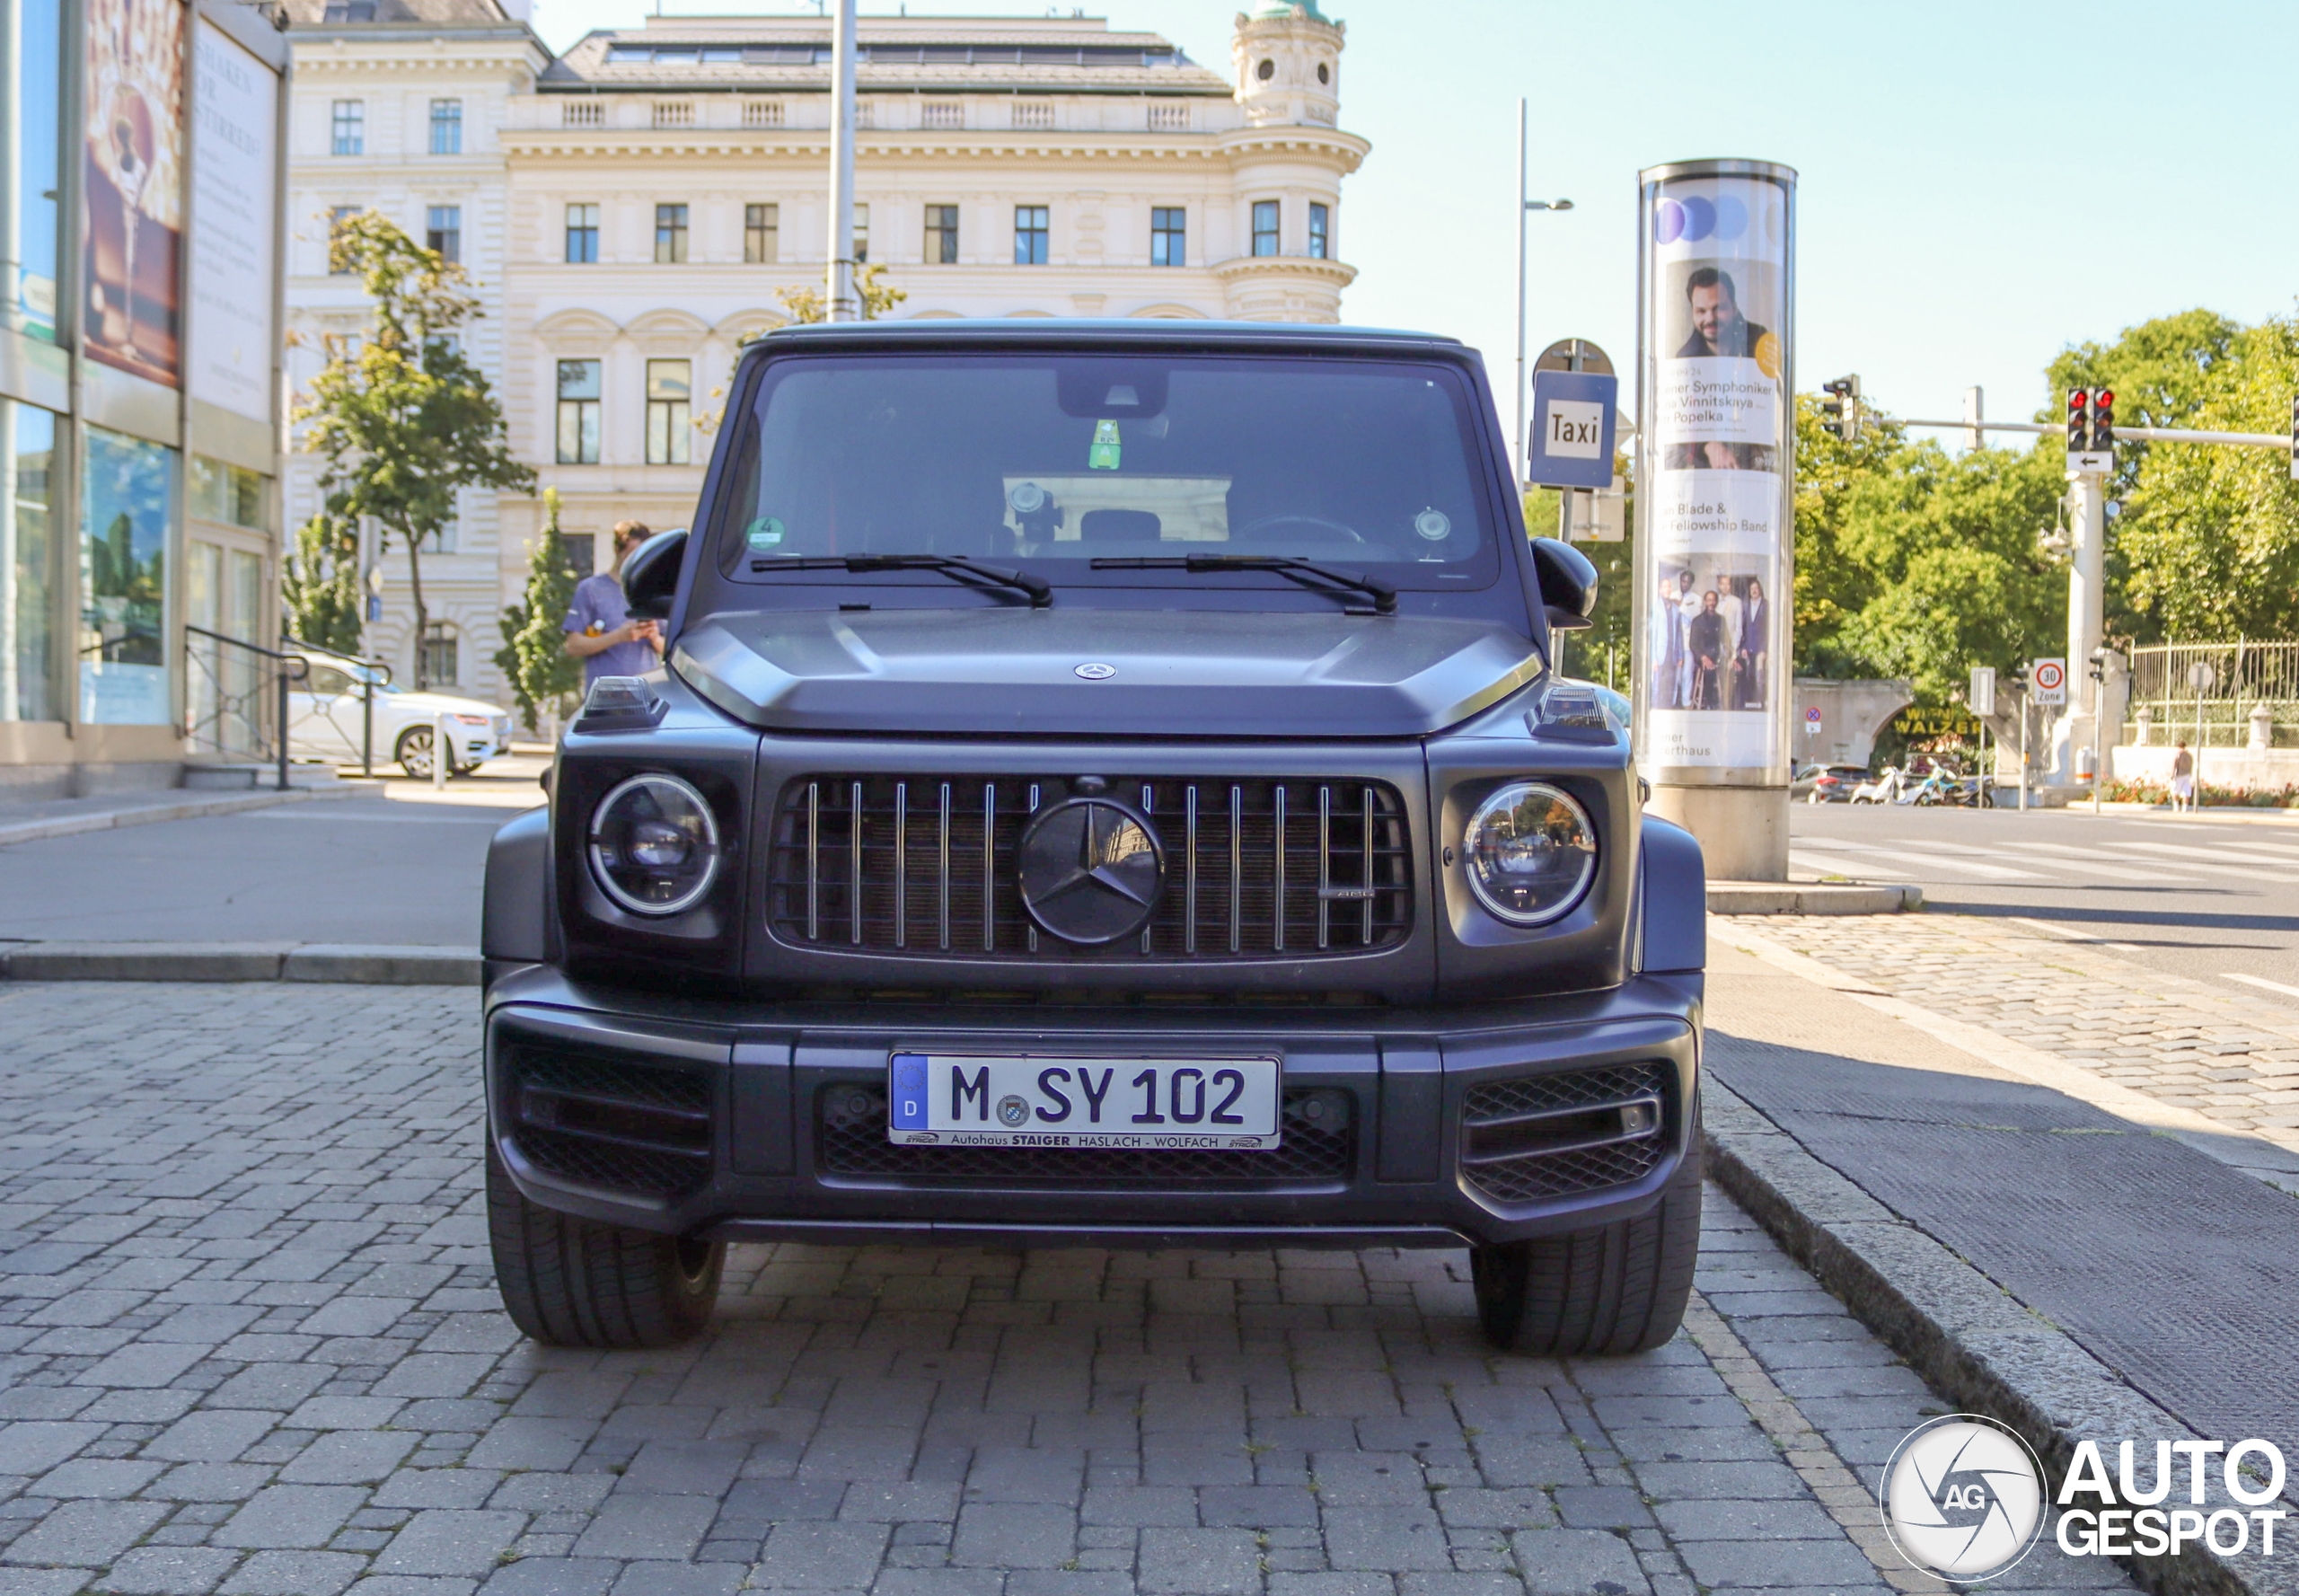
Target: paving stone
{"x":1200,"y":1563}
{"x":291,"y":1516}
{"x":85,"y":1533}
{"x":633,"y":1525}
{"x":450,"y":1541}
{"x":168,"y":1570}
{"x":1574,"y":1562}
{"x":1014,"y":1535}
{"x":556,"y":1576}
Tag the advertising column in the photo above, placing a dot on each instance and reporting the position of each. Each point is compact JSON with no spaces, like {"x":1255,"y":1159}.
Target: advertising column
{"x":1716,"y":448}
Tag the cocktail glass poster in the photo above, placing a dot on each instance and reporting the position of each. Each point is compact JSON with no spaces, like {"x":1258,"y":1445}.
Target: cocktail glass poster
{"x":134,"y":185}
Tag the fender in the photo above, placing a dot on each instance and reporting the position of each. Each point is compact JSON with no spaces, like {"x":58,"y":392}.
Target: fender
{"x":514,"y":916}
{"x":1673,"y":913}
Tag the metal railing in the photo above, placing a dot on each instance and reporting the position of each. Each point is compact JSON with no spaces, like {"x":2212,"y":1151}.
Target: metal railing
{"x":235,"y":697}
{"x":373,"y":674}
{"x":2206,"y":692}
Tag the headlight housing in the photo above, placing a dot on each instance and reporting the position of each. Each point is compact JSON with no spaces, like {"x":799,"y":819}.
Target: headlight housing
{"x":1529,"y":853}
{"x":654,"y":845}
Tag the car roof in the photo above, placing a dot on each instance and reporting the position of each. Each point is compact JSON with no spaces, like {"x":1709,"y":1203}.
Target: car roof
{"x":1058,"y":332}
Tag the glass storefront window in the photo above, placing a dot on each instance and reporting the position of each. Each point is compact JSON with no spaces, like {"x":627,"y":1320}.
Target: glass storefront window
{"x":31,"y":79}
{"x":231,"y":494}
{"x":27,"y":567}
{"x":124,"y":536}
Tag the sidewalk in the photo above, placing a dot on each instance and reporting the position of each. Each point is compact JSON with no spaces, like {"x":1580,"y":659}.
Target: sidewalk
{"x":66,"y":818}
{"x":2145,"y":1212}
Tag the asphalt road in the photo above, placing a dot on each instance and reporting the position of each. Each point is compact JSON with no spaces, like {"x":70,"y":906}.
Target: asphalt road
{"x":2211,"y":897}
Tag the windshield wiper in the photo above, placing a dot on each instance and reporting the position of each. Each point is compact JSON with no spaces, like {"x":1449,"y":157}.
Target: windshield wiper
{"x":957,"y":567}
{"x":1318,"y":577}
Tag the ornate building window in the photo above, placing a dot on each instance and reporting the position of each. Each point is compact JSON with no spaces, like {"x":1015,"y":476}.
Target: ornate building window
{"x":670,"y":388}
{"x":941,"y":234}
{"x":1320,"y":232}
{"x":1030,"y":233}
{"x":670,"y":234}
{"x":579,"y":412}
{"x":1265,"y":227}
{"x":582,"y":234}
{"x":762,"y":234}
{"x":1168,"y":235}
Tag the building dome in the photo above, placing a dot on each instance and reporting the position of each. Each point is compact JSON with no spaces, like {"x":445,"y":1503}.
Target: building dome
{"x":1269,"y":10}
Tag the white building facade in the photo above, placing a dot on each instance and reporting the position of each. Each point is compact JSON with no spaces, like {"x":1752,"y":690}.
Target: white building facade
{"x":399,"y":106}
{"x":660,"y":188}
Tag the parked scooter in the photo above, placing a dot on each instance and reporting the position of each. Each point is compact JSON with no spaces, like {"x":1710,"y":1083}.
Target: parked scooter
{"x":1884,"y":789}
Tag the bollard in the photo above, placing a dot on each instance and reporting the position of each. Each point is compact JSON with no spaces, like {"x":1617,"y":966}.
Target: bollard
{"x":442,"y":751}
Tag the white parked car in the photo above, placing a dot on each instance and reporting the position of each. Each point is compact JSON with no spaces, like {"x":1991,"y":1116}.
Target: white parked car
{"x":325,"y":713}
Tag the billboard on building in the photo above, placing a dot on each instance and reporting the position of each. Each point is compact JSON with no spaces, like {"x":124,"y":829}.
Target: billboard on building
{"x":133,"y":210}
{"x":235,"y":101}
{"x":1717,"y":404}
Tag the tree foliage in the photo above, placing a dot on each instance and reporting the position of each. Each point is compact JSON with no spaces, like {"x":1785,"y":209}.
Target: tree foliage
{"x":534,"y":659}
{"x":320,"y":585}
{"x":879,"y":296}
{"x":1913,"y":563}
{"x":401,"y":420}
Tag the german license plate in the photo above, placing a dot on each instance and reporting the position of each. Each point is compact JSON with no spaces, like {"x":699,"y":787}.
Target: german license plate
{"x":1005,"y":1100}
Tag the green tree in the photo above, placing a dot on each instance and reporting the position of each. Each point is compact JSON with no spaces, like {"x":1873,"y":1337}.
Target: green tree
{"x":2207,"y":547}
{"x":401,"y":420}
{"x":1912,"y":563}
{"x":1610,"y":627}
{"x":319,"y":584}
{"x":533,"y":657}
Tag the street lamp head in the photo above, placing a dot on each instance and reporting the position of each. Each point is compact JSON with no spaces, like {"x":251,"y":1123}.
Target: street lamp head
{"x":1549,"y":205}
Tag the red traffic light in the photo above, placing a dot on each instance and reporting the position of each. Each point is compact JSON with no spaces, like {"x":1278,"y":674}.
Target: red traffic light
{"x":2077,"y":399}
{"x":2105,"y":396}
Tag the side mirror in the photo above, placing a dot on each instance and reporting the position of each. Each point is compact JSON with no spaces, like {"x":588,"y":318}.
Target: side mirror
{"x":1568,"y":583}
{"x":650,"y":575}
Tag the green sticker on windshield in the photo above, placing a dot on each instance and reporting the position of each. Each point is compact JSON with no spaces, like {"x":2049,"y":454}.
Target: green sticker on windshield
{"x":766,"y":533}
{"x":1103,"y":455}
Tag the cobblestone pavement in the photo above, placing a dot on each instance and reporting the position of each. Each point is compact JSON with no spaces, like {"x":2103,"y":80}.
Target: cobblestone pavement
{"x":250,"y":1343}
{"x":2186,"y":1044}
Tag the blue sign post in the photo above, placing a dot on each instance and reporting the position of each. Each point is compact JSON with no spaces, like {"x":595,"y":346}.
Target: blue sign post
{"x":1574,"y":414}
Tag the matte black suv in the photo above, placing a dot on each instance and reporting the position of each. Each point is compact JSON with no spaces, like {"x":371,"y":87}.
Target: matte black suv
{"x":1107,"y":786}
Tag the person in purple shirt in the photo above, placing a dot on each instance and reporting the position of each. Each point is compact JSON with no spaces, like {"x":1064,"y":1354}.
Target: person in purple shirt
{"x":600,"y":631}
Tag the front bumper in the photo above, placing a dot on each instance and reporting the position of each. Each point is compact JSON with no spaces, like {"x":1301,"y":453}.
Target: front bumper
{"x":765,"y":1121}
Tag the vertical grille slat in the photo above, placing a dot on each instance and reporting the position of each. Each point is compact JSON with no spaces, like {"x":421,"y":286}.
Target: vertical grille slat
{"x":1277,"y":886}
{"x":942,"y":867}
{"x":1279,"y":875}
{"x":814,"y":860}
{"x":1189,"y":884}
{"x":989,"y":867}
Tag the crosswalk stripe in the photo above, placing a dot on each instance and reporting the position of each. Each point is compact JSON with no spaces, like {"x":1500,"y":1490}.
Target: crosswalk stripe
{"x":1932,"y":861}
{"x":2211,"y":855}
{"x":1821,"y":864}
{"x":2108,"y":867}
{"x":2289,"y":992}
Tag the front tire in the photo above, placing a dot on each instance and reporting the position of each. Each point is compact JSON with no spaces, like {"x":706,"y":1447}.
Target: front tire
{"x":1616,"y":1290}
{"x":568,"y":1281}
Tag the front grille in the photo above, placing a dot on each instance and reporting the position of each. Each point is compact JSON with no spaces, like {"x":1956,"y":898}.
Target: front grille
{"x":591,"y":1116}
{"x":925,"y":867}
{"x":1319,"y":1143}
{"x":1552,"y":1135}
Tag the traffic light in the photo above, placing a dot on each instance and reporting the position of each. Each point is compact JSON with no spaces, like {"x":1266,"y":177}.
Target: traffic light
{"x":2019,"y":680}
{"x":2079,"y":421}
{"x":2103,"y":421}
{"x":1841,"y":408}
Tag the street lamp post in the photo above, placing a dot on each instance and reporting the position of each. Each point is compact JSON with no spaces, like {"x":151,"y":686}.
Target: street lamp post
{"x":1524,"y":203}
{"x":840,"y":302}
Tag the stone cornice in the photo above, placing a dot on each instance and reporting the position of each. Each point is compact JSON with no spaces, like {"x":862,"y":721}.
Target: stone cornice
{"x":1344,"y":151}
{"x":1245,"y":268}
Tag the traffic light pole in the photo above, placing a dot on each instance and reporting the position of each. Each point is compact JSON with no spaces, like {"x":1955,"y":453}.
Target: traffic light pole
{"x":2087,"y":517}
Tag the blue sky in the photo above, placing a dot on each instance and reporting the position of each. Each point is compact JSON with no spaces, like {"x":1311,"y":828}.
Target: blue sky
{"x":1981,"y":184}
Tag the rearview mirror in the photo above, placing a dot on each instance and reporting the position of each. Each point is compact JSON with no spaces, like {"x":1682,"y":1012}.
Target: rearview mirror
{"x":650,"y":573}
{"x":1568,"y":583}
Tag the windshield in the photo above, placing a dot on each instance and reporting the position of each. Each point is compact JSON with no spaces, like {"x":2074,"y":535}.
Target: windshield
{"x":1054,"y":461}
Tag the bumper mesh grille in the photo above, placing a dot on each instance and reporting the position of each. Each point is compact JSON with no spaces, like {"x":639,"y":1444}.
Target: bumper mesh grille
{"x":1563,"y":1133}
{"x":850,"y":1139}
{"x":594,"y":1117}
{"x":925,"y":867}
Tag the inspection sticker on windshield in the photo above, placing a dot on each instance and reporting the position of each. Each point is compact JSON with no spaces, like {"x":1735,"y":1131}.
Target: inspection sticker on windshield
{"x":998,"y":1100}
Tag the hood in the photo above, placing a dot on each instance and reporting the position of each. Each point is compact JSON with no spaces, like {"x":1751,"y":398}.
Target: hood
{"x":1014,"y":672}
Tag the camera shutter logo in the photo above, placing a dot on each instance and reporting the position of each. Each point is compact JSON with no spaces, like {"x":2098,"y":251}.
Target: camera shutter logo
{"x":1963,"y":1498}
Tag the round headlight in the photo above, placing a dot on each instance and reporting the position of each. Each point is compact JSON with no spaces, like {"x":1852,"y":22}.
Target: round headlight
{"x":654,"y":845}
{"x":1529,"y":851}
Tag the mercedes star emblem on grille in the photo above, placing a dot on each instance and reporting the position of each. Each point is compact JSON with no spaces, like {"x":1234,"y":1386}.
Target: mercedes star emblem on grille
{"x":1096,"y":671}
{"x":1091,"y":870}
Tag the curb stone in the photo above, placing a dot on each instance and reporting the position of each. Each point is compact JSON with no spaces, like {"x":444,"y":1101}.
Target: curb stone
{"x":383,"y":964}
{"x":1959,"y":1331}
{"x":1810,"y":897}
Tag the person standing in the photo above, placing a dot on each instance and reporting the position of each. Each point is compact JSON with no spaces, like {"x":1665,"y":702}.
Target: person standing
{"x":1705,"y":633}
{"x":600,"y":631}
{"x":1727,"y":605}
{"x":1755,"y":646}
{"x":1689,"y":604}
{"x":2182,"y":778}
